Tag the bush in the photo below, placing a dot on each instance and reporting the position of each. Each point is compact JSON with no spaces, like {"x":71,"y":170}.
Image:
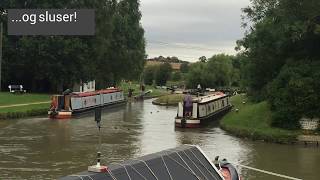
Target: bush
{"x":294,"y":94}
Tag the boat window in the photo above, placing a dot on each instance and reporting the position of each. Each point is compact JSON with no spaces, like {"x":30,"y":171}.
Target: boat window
{"x":222,"y":103}
{"x":111,"y":97}
{"x":209,"y":108}
{"x":227,"y":101}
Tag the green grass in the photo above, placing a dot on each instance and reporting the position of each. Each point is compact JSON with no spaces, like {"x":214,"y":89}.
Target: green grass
{"x":171,"y":99}
{"x":7,"y":98}
{"x":25,"y":108}
{"x":136,"y":87}
{"x":253,"y":120}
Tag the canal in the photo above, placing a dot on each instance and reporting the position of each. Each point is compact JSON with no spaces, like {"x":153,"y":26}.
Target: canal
{"x":40,"y":148}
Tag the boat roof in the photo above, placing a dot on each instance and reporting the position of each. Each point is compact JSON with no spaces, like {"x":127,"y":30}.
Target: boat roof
{"x":184,"y":162}
{"x":93,"y":93}
{"x":210,"y":97}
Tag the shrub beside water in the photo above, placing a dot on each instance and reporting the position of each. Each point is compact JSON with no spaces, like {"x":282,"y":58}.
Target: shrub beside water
{"x":294,"y":94}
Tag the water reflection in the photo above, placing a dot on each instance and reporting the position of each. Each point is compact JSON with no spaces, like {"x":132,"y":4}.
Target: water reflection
{"x":39,"y":148}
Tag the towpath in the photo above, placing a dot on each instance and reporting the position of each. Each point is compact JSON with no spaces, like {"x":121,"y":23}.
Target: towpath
{"x":26,"y":104}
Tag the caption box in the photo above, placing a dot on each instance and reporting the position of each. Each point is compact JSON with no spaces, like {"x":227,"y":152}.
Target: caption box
{"x":51,"y":22}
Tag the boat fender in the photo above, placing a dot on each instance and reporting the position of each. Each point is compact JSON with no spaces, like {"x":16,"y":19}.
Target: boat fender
{"x":233,"y":172}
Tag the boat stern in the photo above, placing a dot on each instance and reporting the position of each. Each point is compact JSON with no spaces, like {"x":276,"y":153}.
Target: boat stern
{"x":183,"y":122}
{"x":60,"y":114}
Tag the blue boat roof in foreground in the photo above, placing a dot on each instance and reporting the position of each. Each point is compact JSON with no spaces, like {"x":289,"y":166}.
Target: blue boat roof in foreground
{"x":183,"y":163}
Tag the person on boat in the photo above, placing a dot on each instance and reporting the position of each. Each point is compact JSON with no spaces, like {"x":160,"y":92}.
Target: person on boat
{"x":187,"y":104}
{"x":198,"y":90}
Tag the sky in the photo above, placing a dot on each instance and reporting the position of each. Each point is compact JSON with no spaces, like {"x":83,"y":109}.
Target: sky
{"x":189,"y":29}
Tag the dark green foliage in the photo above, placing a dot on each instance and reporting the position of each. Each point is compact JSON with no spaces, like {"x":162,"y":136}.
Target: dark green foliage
{"x":149,"y":74}
{"x":184,"y":67}
{"x":281,"y":30}
{"x":176,"y":76}
{"x":163,"y":74}
{"x":203,"y":59}
{"x":295,"y":93}
{"x":54,"y":63}
{"x":279,"y":57}
{"x":218,"y":71}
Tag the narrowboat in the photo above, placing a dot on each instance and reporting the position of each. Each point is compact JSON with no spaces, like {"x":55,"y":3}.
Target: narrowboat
{"x":66,"y":105}
{"x":203,"y":109}
{"x":187,"y":162}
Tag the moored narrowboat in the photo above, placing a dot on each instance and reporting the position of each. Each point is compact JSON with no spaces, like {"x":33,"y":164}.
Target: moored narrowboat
{"x":194,"y":111}
{"x":66,"y":105}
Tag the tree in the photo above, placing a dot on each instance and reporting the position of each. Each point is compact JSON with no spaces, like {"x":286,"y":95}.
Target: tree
{"x":54,"y":63}
{"x":218,"y":71}
{"x":294,"y":93}
{"x":163,"y":74}
{"x":203,"y":59}
{"x":281,"y":52}
{"x":176,"y":76}
{"x":281,"y":30}
{"x":149,"y":74}
{"x":184,"y":67}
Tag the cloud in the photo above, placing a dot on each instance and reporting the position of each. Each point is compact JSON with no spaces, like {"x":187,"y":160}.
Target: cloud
{"x":211,"y":24}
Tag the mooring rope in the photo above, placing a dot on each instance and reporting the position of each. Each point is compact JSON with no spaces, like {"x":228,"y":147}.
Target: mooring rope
{"x":264,"y":171}
{"x":267,"y":172}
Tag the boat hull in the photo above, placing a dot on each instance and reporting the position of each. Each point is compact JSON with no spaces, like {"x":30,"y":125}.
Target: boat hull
{"x":185,"y":122}
{"x":70,"y":114}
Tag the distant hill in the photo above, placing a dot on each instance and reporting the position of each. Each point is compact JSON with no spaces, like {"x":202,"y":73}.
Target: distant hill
{"x":174,"y":62}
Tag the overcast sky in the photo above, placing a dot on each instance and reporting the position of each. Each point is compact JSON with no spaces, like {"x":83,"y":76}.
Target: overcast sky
{"x":189,"y":29}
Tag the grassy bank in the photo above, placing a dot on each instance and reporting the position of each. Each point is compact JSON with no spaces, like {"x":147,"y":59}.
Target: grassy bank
{"x":169,"y":100}
{"x":253,"y":121}
{"x":136,"y":87}
{"x":7,"y":98}
{"x":23,"y":105}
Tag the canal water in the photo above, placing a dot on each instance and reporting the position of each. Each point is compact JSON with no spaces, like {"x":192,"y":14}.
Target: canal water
{"x":40,"y":148}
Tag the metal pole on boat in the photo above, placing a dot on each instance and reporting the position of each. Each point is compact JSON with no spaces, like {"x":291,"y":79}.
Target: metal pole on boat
{"x":1,"y":34}
{"x":97,"y":118}
{"x":98,"y":167}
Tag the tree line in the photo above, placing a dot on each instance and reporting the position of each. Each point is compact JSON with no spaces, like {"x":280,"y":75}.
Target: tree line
{"x":55,"y":63}
{"x":220,"y":70}
{"x":281,"y":57}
